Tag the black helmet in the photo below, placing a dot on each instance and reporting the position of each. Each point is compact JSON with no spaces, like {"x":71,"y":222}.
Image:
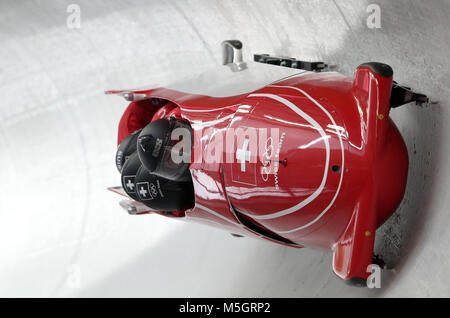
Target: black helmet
{"x":129,"y":171}
{"x":161,"y":194}
{"x":155,"y":192}
{"x":164,"y":148}
{"x":126,"y":148}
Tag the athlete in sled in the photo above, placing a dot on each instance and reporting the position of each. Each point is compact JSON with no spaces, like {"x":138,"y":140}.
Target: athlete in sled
{"x":267,"y":149}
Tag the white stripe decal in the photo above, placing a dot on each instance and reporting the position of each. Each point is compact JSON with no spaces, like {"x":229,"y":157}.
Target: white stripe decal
{"x":212,"y":122}
{"x":206,"y":110}
{"x":292,"y":76}
{"x":298,"y":111}
{"x":327,"y":161}
{"x":343,"y":161}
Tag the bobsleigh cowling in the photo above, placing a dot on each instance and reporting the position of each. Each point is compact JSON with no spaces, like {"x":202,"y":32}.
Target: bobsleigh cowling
{"x":312,"y":159}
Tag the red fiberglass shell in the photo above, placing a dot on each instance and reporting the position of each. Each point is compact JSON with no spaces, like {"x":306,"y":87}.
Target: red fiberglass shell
{"x":334,"y":164}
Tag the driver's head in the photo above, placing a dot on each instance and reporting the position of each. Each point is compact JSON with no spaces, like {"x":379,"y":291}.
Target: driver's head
{"x":164,"y":148}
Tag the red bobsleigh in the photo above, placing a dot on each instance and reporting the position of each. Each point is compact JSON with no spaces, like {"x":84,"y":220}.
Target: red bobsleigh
{"x":281,"y":151}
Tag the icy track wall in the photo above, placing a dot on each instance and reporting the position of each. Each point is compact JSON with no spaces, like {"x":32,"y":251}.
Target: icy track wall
{"x":63,"y":234}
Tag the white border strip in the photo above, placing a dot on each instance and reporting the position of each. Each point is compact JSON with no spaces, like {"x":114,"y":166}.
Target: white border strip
{"x":327,"y":160}
{"x":206,"y":110}
{"x":295,"y":109}
{"x":343,"y":160}
{"x":212,"y":122}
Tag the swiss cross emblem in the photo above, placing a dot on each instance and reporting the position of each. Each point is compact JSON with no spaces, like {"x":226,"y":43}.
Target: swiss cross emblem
{"x":144,"y":191}
{"x":129,"y":182}
{"x":243,"y":155}
{"x":243,"y":170}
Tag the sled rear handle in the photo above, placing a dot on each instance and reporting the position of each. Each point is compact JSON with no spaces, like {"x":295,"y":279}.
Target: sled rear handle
{"x":231,"y":52}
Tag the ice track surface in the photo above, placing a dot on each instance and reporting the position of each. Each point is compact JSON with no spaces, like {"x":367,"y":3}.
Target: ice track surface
{"x":63,"y":234}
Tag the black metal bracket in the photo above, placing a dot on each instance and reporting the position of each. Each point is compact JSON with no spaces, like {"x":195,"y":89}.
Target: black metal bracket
{"x":402,"y":95}
{"x":289,"y":62}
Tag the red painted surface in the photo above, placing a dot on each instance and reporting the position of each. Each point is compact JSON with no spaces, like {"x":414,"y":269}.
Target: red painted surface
{"x":335,"y":171}
{"x":164,"y":111}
